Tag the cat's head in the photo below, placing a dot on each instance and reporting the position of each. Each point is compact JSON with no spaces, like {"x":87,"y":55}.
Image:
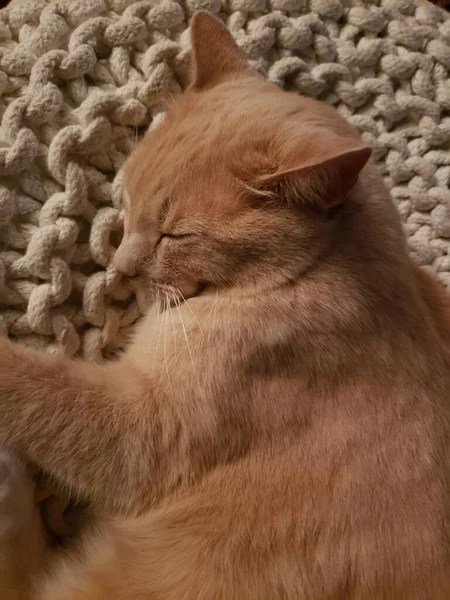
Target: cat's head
{"x":241,"y":185}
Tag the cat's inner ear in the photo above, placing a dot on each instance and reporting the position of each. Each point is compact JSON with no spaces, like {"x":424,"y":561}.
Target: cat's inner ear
{"x":321,"y":171}
{"x":215,"y":54}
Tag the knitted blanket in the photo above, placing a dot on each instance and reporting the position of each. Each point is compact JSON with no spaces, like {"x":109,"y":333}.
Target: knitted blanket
{"x":81,"y":80}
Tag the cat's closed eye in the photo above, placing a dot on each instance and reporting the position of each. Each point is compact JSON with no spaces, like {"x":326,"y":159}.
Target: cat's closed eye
{"x":176,"y":236}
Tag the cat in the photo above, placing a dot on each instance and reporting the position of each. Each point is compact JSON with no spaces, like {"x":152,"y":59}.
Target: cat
{"x":437,"y":301}
{"x":278,"y":428}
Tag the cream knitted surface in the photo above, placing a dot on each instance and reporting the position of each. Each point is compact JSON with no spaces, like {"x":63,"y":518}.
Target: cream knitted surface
{"x":80,"y":80}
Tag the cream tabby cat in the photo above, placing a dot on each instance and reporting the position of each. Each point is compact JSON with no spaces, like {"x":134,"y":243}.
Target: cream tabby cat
{"x":282,"y":433}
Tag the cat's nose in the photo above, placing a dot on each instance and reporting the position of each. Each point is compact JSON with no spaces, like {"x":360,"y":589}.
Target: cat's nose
{"x":124,"y":262}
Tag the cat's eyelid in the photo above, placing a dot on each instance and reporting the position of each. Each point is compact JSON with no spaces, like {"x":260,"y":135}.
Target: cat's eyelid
{"x":183,"y":228}
{"x":179,"y":229}
{"x":178,"y":234}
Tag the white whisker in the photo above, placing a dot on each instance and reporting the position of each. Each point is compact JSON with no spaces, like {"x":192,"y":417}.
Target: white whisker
{"x":215,"y":305}
{"x":167,"y":307}
{"x":187,"y":340}
{"x":174,"y":333}
{"x":186,"y":303}
{"x":161,"y":317}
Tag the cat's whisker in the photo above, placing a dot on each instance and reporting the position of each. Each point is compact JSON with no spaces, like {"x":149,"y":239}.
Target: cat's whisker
{"x":174,"y":333}
{"x":166,"y":366}
{"x":130,"y":143}
{"x":161,"y":324}
{"x":190,"y":310}
{"x":214,"y":307}
{"x":256,"y":191}
{"x":132,"y":138}
{"x":177,"y":304}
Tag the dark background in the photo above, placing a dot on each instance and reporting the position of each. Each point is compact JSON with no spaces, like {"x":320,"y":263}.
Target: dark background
{"x":442,"y":3}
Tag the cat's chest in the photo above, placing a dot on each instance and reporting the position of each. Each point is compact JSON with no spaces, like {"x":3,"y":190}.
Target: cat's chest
{"x":215,"y":347}
{"x":174,"y":343}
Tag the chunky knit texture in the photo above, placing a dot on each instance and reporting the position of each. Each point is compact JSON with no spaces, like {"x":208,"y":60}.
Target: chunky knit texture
{"x":81,"y":80}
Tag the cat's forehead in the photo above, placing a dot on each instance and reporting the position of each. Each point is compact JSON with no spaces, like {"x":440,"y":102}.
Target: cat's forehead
{"x":186,"y":177}
{"x":208,"y":140}
{"x":186,"y":152}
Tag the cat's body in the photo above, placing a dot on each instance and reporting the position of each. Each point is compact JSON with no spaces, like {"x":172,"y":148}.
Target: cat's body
{"x":284,"y":432}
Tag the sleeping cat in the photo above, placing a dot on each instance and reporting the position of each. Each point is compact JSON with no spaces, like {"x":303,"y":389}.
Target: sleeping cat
{"x":279,"y":426}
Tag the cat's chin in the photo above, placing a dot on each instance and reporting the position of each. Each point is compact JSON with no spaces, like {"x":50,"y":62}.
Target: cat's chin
{"x":169,"y":296}
{"x":162,"y":295}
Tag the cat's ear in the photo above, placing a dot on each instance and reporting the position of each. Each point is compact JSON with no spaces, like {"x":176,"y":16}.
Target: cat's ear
{"x":320,"y":173}
{"x":215,"y":54}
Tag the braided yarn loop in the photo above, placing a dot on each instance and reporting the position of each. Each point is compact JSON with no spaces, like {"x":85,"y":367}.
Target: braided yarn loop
{"x":81,"y":81}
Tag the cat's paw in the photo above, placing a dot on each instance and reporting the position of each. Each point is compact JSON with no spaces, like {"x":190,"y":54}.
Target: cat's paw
{"x":16,"y":494}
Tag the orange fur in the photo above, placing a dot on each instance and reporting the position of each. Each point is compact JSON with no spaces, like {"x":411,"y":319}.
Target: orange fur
{"x":437,"y":300}
{"x":279,"y":426}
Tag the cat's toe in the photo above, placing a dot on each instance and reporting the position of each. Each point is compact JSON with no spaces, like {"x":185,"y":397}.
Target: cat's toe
{"x":16,"y":493}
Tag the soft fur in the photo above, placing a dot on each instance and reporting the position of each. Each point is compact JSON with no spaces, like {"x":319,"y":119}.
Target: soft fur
{"x":279,"y":426}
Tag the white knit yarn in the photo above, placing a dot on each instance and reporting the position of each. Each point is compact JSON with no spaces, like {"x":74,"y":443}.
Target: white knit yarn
{"x":79,"y":79}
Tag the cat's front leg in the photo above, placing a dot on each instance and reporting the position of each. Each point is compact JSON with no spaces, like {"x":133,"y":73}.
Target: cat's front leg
{"x":94,"y":428}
